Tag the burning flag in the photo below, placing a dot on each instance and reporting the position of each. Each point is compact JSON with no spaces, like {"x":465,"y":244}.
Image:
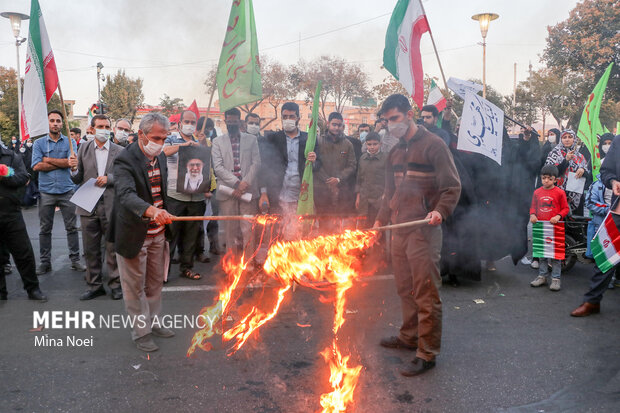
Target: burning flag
{"x":40,"y":78}
{"x":326,"y":263}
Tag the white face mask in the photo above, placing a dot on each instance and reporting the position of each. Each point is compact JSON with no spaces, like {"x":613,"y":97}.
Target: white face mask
{"x":121,"y":136}
{"x":398,"y":129}
{"x":89,"y":137}
{"x":606,"y":147}
{"x":188,"y":129}
{"x":382,"y":133}
{"x":102,"y":135}
{"x":253,"y":129}
{"x":22,"y":149}
{"x":551,"y":138}
{"x":29,"y":144}
{"x":363,"y":136}
{"x":289,"y":125}
{"x":152,"y":149}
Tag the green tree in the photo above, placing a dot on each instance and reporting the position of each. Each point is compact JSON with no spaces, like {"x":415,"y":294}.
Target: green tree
{"x":170,"y":106}
{"x":8,"y":103}
{"x":122,"y":95}
{"x":526,"y":107}
{"x":586,"y":43}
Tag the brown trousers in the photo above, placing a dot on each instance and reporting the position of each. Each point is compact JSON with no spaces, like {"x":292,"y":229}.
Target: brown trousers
{"x":415,"y":259}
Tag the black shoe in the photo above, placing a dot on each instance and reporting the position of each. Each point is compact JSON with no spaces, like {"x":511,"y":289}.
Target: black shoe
{"x":162,"y":332}
{"x":8,"y":269}
{"x":117,"y":293}
{"x":202,"y":257}
{"x":90,"y":294}
{"x":395,"y":342}
{"x":417,"y":366}
{"x":78,"y":266}
{"x":37,"y":295}
{"x":44,"y":269}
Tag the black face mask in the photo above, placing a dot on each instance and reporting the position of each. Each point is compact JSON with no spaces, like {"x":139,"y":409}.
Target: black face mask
{"x":233,"y":128}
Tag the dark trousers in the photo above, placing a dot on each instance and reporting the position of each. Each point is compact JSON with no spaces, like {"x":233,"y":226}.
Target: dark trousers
{"x":47,"y":207}
{"x":94,"y":228}
{"x":185,"y":233}
{"x":598,"y":284}
{"x":16,"y":241}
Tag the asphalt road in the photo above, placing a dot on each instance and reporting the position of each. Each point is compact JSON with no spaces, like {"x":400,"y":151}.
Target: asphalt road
{"x":518,"y":351}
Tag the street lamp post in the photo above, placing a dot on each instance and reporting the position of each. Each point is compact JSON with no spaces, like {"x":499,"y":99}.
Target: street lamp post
{"x":16,"y":23}
{"x":484,"y":19}
{"x":99,"y":77}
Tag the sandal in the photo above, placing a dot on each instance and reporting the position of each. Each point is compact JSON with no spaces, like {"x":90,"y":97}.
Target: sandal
{"x":191,"y":275}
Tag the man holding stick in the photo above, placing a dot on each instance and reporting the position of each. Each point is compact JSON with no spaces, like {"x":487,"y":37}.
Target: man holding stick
{"x":421,"y":183}
{"x":138,"y":226}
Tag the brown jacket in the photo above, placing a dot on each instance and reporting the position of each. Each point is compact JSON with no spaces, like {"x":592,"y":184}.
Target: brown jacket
{"x":420,"y":177}
{"x":370,"y":180}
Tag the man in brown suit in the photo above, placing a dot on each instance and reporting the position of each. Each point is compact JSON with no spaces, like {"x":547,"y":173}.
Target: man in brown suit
{"x":421,"y":183}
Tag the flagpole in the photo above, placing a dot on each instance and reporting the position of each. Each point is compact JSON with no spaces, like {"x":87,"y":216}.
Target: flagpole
{"x":202,"y":130}
{"x":64,"y":112}
{"x":443,"y":76}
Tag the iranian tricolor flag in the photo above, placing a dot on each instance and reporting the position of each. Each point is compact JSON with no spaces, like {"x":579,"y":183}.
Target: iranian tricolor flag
{"x":606,"y":243}
{"x":401,"y":56}
{"x":40,"y":79}
{"x":435,"y":97}
{"x":548,"y":240}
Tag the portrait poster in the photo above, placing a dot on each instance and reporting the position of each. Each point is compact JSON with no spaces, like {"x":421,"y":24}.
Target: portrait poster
{"x":194,"y":169}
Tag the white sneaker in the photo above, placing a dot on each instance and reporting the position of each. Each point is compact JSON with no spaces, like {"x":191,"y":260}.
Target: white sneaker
{"x":535,"y":264}
{"x":555,"y":284}
{"x":525,"y":261}
{"x":539,"y":281}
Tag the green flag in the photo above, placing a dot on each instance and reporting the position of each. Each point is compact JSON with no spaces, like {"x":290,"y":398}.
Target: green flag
{"x":590,"y":124}
{"x":605,"y":130}
{"x":238,"y":72}
{"x":305,"y":205}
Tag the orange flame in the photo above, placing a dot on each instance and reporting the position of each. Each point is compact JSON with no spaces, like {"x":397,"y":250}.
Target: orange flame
{"x":323,"y":263}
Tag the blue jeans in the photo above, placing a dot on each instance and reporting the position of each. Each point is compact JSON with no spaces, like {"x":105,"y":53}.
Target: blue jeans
{"x":556,"y":267}
{"x":47,"y":207}
{"x":592,"y":228}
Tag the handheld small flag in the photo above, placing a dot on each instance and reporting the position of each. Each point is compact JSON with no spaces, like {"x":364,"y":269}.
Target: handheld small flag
{"x":305,"y":205}
{"x":194,"y":108}
{"x":548,"y":240}
{"x":6,"y":171}
{"x":238,"y":72}
{"x":606,"y":243}
{"x":435,"y":97}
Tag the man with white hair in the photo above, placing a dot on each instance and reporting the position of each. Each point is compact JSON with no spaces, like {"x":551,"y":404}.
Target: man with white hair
{"x":138,"y":227}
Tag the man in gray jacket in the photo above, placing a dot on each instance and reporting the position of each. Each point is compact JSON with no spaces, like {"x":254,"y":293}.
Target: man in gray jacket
{"x":95,"y":160}
{"x":236,"y":162}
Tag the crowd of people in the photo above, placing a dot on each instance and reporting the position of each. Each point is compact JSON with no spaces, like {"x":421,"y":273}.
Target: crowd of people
{"x":398,"y":170}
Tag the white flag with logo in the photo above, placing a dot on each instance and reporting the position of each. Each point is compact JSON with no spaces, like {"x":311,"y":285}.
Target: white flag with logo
{"x":482,"y":127}
{"x":461,"y":87}
{"x":40,"y":78}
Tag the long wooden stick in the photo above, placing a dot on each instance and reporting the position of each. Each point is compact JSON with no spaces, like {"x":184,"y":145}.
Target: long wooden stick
{"x":202,"y":130}
{"x":217,"y":218}
{"x":403,"y":225}
{"x":64,"y":112}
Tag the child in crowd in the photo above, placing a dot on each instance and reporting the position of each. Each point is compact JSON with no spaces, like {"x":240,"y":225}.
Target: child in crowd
{"x":370,"y":179}
{"x":548,"y":204}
